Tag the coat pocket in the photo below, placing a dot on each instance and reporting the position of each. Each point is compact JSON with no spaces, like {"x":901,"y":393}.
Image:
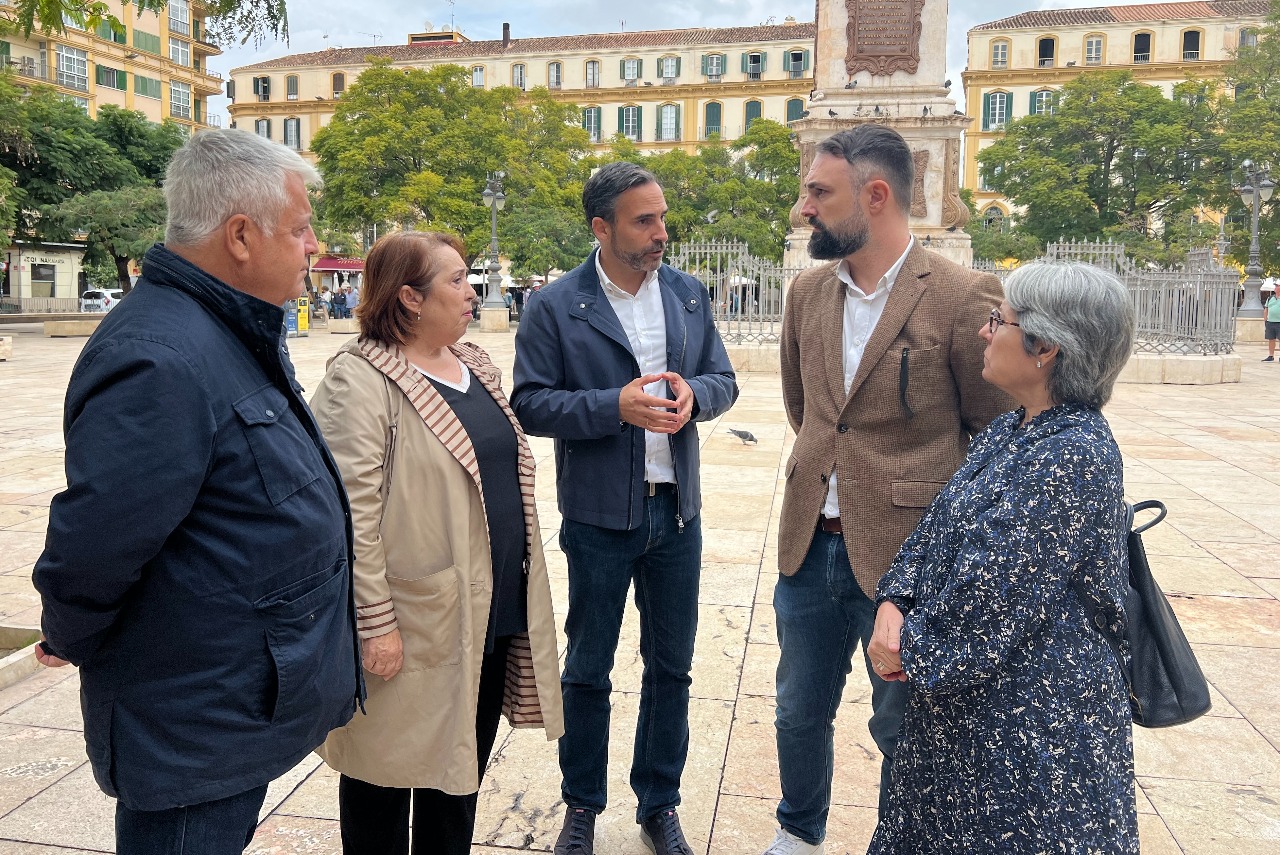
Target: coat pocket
{"x":303,"y":620}
{"x":281,"y":448}
{"x":429,"y":613}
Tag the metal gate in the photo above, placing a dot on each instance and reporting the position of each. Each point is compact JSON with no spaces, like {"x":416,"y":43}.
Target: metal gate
{"x":747,"y":293}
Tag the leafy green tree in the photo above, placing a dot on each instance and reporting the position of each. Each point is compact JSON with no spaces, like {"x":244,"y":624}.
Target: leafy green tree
{"x":118,"y":224}
{"x":64,"y":158}
{"x":15,"y":147}
{"x":148,"y":146}
{"x":539,"y":240}
{"x":414,"y":148}
{"x":1114,"y":159}
{"x":229,"y":20}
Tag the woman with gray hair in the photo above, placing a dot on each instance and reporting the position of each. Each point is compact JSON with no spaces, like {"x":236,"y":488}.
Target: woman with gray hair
{"x":1017,"y":735}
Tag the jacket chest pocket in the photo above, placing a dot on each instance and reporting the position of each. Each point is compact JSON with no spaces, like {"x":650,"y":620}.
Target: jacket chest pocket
{"x":283,"y":452}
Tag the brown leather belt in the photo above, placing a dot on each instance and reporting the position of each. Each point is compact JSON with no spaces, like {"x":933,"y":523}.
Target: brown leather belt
{"x":829,"y":525}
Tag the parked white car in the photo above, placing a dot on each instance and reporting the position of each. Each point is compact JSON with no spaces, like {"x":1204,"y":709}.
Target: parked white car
{"x":100,"y":299}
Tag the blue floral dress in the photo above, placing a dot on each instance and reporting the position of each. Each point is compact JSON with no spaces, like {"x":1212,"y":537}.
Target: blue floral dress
{"x":1017,"y":737}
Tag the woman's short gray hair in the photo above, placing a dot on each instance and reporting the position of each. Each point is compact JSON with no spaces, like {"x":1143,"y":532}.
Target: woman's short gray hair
{"x":1087,"y":313}
{"x":221,"y":173}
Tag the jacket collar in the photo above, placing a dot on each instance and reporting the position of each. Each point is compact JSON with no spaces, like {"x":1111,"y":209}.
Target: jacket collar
{"x":592,"y":305}
{"x":255,"y":322}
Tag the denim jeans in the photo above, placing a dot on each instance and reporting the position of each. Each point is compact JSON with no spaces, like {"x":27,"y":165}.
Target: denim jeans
{"x":822,"y":615}
{"x":222,"y":827}
{"x":664,"y":563}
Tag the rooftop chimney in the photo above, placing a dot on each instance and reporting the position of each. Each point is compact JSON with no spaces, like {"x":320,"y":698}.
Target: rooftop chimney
{"x":506,"y":35}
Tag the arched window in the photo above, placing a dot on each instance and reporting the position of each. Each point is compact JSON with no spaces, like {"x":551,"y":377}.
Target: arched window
{"x":477,"y":76}
{"x":593,"y":74}
{"x":262,"y":127}
{"x":555,"y":75}
{"x":291,"y":87}
{"x":993,"y":219}
{"x":1000,"y":53}
{"x":668,"y":122}
{"x":1142,"y":48}
{"x":629,"y":122}
{"x":1043,"y":102}
{"x":591,"y":122}
{"x":753,"y":113}
{"x":711,"y":119}
{"x":1248,"y":37}
{"x":669,"y":69}
{"x":1046,"y":52}
{"x":1192,"y":45}
{"x":339,"y":84}
{"x":795,"y":107}
{"x":995,"y":111}
{"x":518,"y":75}
{"x":1094,"y":47}
{"x":293,"y":133}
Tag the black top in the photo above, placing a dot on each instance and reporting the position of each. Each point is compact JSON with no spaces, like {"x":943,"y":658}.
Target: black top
{"x":497,"y":455}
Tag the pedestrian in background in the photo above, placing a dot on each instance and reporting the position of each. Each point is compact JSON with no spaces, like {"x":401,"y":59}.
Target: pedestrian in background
{"x":212,"y":621}
{"x":617,"y":360}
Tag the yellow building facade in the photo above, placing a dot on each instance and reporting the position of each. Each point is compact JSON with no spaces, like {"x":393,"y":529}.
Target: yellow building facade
{"x":664,"y":89}
{"x":1016,"y":64}
{"x":157,"y":65}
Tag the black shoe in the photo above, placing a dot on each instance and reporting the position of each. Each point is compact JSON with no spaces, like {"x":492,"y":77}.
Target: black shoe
{"x":578,"y":837}
{"x":661,"y":833}
{"x":1269,"y":359}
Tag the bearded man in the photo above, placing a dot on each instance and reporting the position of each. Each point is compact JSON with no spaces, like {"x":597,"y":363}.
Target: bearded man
{"x":882,"y":382}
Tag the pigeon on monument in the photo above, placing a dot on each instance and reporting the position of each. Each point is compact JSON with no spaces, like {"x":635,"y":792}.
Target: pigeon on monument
{"x":747,"y":437}
{"x":832,"y":113}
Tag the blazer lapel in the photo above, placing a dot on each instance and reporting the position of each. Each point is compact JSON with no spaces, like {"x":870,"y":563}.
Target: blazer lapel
{"x":591,"y":305}
{"x":907,"y":290}
{"x":831,"y":318}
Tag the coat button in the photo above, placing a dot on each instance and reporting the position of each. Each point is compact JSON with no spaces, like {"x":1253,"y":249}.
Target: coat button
{"x":822,"y":478}
{"x":842,"y":428}
{"x":582,"y":305}
{"x":271,"y":414}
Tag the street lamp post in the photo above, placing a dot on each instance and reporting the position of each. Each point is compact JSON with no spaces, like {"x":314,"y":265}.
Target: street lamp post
{"x":496,"y":200}
{"x":1257,"y":188}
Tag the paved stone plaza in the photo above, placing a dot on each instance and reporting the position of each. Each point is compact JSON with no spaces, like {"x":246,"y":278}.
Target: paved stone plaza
{"x":1211,"y":453}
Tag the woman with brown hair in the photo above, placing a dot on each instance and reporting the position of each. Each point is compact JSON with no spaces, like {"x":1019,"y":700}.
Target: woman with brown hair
{"x":452,"y":601}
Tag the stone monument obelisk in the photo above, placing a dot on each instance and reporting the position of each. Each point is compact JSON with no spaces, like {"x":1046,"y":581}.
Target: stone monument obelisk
{"x":885,"y":61}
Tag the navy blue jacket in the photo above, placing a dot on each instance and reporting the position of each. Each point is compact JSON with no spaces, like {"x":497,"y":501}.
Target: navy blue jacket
{"x":198,"y":566}
{"x":572,"y":360}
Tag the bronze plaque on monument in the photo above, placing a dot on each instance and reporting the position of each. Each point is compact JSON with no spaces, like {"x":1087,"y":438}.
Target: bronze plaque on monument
{"x":884,"y":36}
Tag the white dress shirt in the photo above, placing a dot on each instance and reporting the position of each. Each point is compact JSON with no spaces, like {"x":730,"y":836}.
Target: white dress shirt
{"x":645,"y":324}
{"x":862,"y":312}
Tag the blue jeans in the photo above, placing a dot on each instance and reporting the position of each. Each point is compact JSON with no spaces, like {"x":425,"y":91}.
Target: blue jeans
{"x":821,"y":616}
{"x":664,"y":563}
{"x":222,"y":827}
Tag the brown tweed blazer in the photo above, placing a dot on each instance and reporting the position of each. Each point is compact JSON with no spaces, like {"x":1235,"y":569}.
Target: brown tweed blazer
{"x":902,"y":431}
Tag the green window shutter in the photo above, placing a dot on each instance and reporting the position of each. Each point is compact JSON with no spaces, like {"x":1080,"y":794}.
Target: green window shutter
{"x":4,"y":49}
{"x":764,"y":62}
{"x":640,"y":69}
{"x":744,"y":63}
{"x":806,"y":59}
{"x":753,"y":112}
{"x":1032,"y":110}
{"x":622,"y":69}
{"x":97,"y":74}
{"x":291,"y":86}
{"x":639,"y":124}
{"x":704,"y":64}
{"x":585,"y":110}
{"x":622,"y":120}
{"x":986,"y":112}
{"x":679,"y":127}
{"x":677,"y":66}
{"x":198,"y":109}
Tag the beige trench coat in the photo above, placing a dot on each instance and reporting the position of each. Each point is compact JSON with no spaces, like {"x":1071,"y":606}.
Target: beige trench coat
{"x":423,"y":565}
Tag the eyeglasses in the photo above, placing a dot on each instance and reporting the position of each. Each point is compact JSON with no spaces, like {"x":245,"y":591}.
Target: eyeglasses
{"x":996,"y":322}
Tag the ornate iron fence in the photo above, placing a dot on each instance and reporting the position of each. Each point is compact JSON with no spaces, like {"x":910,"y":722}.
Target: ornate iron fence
{"x":1185,"y":309}
{"x":747,"y":292}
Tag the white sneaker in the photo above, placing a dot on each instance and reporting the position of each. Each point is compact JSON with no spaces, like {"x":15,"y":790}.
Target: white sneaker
{"x":787,"y":843}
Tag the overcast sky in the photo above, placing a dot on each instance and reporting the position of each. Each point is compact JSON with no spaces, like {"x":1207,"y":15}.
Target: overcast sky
{"x":317,"y":24}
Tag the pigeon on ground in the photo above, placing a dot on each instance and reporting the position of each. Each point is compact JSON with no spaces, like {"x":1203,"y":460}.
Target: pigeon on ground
{"x":745,"y":435}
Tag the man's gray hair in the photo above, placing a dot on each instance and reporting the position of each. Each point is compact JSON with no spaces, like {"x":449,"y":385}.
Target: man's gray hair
{"x":1087,"y":313}
{"x":221,"y":173}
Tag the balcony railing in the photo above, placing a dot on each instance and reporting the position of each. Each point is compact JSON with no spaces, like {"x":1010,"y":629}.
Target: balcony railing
{"x":182,"y":28}
{"x":1191,"y":56}
{"x":753,"y":75}
{"x":714,"y":78}
{"x":797,"y":73}
{"x":632,"y":82}
{"x":555,"y":84}
{"x":1046,"y":62}
{"x":999,"y":63}
{"x":72,"y":81}
{"x":1140,"y":58}
{"x":668,"y":81}
{"x":212,"y":121}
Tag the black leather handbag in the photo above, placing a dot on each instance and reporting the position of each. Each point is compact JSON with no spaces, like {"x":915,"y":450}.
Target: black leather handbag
{"x":1166,"y":685}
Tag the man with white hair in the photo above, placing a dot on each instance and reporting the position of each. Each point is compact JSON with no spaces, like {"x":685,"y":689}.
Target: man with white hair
{"x":214,"y":631}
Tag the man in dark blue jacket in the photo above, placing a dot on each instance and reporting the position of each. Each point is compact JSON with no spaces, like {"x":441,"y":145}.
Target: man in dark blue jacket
{"x":213,"y":629}
{"x":616,"y":360}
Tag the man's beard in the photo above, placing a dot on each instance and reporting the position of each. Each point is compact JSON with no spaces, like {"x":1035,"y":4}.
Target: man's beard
{"x":639,"y":260}
{"x":826,"y":244}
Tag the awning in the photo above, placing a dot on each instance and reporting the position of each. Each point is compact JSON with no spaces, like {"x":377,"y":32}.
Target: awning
{"x":333,"y":262}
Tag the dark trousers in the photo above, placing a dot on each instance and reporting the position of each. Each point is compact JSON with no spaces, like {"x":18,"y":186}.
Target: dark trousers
{"x":664,"y":563}
{"x":222,"y":827}
{"x":375,"y":820}
{"x":822,"y":616}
